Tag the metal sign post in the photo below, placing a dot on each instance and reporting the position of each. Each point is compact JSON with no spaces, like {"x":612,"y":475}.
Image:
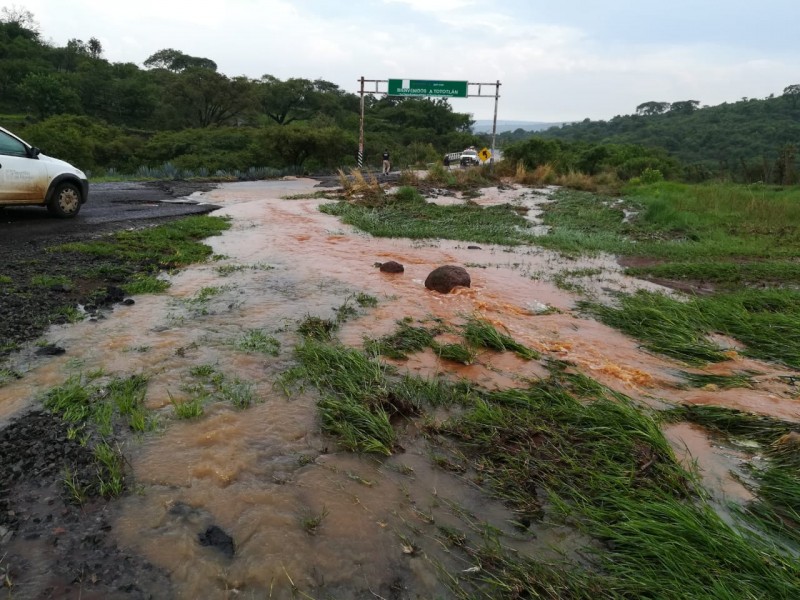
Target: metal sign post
{"x":429,"y":89}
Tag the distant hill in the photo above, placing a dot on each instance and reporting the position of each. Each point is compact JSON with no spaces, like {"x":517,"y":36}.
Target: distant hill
{"x":749,"y":140}
{"x":485,"y":126}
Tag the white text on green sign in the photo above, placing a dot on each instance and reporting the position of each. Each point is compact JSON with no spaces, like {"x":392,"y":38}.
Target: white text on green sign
{"x":423,"y":87}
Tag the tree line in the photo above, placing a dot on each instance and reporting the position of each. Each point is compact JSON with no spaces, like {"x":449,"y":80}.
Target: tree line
{"x":179,"y":108}
{"x":749,"y":140}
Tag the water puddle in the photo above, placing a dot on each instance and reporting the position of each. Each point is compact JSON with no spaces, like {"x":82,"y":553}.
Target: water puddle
{"x":303,"y":516}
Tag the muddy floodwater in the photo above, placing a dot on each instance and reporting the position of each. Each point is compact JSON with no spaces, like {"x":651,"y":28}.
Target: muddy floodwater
{"x":306,"y":519}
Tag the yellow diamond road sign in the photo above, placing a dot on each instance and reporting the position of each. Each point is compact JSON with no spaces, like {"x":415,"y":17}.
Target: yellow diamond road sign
{"x":485,"y":154}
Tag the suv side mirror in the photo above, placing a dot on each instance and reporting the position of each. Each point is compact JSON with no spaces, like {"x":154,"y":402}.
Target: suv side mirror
{"x":35,"y":152}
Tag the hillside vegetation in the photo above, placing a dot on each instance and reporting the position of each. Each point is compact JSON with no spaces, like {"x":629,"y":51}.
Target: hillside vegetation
{"x":179,"y":109}
{"x":749,"y":141}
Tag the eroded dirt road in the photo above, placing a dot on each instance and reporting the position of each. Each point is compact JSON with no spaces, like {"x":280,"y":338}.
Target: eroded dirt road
{"x":305,"y":519}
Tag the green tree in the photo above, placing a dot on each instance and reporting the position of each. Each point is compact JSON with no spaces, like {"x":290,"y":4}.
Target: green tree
{"x":203,"y":97}
{"x":652,"y":108}
{"x":286,"y":101}
{"x":49,"y":94}
{"x":177,"y":62}
{"x":300,"y":143}
{"x":21,"y":18}
{"x":792,"y":93}
{"x":95,"y":47}
{"x":86,"y":142}
{"x":684,"y":107}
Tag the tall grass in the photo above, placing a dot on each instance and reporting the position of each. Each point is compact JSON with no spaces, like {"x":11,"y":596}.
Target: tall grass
{"x":776,"y":507}
{"x":481,"y":333}
{"x":360,"y":396}
{"x":766,"y":321}
{"x":564,"y":450}
{"x":689,"y":223}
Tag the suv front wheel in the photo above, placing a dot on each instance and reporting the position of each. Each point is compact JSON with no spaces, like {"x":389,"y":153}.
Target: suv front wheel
{"x":66,"y":200}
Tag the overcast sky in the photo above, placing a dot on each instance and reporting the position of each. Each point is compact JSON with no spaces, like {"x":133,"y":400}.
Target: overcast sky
{"x":557,"y":60}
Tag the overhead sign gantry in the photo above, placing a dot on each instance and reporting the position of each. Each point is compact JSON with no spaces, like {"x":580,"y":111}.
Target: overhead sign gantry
{"x":424,"y":88}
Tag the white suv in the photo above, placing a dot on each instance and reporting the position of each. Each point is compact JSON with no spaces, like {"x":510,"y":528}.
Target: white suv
{"x":29,"y":177}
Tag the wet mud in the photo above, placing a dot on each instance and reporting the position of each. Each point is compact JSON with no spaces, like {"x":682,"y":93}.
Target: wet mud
{"x":256,"y":502}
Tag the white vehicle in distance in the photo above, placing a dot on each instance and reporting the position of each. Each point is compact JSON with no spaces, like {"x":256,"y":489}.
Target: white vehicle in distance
{"x":28,"y":177}
{"x":469,"y":157}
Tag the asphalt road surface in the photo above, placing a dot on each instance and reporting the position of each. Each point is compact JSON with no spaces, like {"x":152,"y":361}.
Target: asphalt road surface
{"x":111,"y":207}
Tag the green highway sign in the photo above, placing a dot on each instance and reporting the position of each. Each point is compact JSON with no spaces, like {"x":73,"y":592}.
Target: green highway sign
{"x":422,"y":87}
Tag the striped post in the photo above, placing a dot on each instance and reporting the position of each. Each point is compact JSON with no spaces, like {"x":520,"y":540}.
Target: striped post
{"x":361,"y":129}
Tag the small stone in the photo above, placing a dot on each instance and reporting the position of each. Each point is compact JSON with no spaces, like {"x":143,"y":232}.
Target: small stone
{"x":392,"y":267}
{"x":50,"y":350}
{"x":129,"y":302}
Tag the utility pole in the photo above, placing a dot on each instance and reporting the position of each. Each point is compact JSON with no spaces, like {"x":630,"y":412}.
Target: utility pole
{"x":361,"y":129}
{"x":494,"y":122}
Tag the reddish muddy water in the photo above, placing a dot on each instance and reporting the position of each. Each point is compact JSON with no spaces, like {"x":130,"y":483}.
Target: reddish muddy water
{"x":306,"y":518}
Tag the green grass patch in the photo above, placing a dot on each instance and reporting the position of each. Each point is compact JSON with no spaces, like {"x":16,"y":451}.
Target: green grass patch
{"x":405,"y":340}
{"x":110,"y":470}
{"x":168,"y":246}
{"x":71,"y":314}
{"x":317,"y":328}
{"x":5,"y":280}
{"x":663,"y":324}
{"x":8,"y":375}
{"x":93,"y":408}
{"x":482,"y":334}
{"x":687,"y":224}
{"x":79,"y":400}
{"x":766,"y":321}
{"x":565,"y":450}
{"x":725,"y":274}
{"x":145,"y":284}
{"x":701,"y":380}
{"x":456,"y":352}
{"x":217,"y":385}
{"x":51,"y":281}
{"x":189,"y":409}
{"x":731,"y":423}
{"x":776,"y":508}
{"x":323,"y":329}
{"x":257,"y":340}
{"x":365,"y":300}
{"x":360,"y":395}
{"x":408,"y":339}
{"x":407,"y":214}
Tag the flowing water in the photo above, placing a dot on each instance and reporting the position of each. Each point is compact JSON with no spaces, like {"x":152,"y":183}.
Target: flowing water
{"x":305,"y":519}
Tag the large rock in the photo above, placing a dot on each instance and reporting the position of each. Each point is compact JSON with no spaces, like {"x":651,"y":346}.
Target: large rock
{"x":444,"y":279}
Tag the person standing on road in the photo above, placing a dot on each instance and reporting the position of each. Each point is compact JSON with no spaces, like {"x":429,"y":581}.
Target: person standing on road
{"x":387,"y":166}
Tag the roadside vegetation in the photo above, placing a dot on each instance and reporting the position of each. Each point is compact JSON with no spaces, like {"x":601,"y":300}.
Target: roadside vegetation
{"x":737,"y":243}
{"x":565,"y":450}
{"x":407,"y":214}
{"x":98,"y":273}
{"x":98,"y":410}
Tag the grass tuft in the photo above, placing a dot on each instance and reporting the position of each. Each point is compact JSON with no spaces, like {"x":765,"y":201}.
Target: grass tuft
{"x":482,"y":334}
{"x":257,"y":340}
